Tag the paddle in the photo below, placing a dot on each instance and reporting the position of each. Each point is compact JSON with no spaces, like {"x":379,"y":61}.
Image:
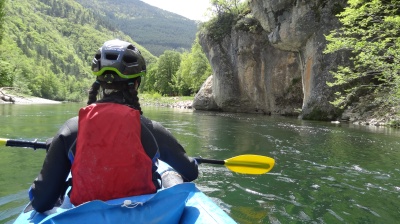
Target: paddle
{"x":246,"y":164}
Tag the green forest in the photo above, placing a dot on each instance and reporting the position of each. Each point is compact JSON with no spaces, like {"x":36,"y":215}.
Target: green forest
{"x":155,"y":29}
{"x":48,"y":51}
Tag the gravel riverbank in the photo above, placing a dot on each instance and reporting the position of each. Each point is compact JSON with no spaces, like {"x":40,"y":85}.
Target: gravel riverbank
{"x":354,"y":117}
{"x":13,"y":98}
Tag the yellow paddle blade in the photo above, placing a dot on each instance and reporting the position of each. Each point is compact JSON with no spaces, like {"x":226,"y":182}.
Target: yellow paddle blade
{"x":3,"y":141}
{"x":250,"y":164}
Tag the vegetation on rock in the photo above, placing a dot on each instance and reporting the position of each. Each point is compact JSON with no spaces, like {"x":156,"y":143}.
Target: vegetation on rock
{"x":371,"y":33}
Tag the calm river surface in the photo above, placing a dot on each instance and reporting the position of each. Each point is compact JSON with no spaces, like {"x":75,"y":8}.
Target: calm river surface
{"x":324,"y":173}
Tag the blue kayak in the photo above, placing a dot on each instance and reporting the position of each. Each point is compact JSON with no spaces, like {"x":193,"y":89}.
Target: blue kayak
{"x":182,"y":203}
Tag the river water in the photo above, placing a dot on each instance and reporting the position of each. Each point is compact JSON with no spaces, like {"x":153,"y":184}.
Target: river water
{"x":324,"y":173}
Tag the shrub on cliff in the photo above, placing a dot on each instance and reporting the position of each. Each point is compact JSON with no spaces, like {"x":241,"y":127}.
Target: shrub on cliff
{"x":225,"y":14}
{"x":371,"y":32}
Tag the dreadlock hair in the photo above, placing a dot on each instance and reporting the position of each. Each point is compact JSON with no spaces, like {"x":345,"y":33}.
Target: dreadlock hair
{"x":131,"y":95}
{"x":94,"y":90}
{"x":125,"y":93}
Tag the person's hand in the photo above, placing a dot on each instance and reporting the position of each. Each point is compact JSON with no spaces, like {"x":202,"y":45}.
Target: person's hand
{"x":48,"y":143}
{"x":196,"y":160}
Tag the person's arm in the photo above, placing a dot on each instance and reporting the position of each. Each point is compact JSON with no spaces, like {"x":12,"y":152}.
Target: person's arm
{"x":171,"y":151}
{"x":50,"y":183}
{"x":149,"y":142}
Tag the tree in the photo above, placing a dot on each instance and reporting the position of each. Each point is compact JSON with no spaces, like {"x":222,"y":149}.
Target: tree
{"x":371,"y":32}
{"x":6,"y":78}
{"x":167,"y":65}
{"x":193,"y":71}
{"x":2,"y":14}
{"x":201,"y":68}
{"x":227,"y":6}
{"x":225,"y":15}
{"x":180,"y":79}
{"x":149,"y":80}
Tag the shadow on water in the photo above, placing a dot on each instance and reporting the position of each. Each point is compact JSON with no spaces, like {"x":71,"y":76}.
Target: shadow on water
{"x":324,"y":173}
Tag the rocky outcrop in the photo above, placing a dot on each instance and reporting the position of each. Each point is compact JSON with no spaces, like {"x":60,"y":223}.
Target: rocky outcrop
{"x":252,"y":76}
{"x":4,"y":97}
{"x":204,"y":99}
{"x":279,"y":68}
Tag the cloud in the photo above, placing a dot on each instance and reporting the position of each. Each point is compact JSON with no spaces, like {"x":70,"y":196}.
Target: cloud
{"x":192,"y":9}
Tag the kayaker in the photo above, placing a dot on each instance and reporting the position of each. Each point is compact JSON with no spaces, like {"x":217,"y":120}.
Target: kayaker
{"x":115,"y":153}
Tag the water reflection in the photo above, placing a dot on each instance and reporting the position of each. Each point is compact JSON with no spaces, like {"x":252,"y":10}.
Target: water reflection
{"x":328,"y":173}
{"x":324,"y":173}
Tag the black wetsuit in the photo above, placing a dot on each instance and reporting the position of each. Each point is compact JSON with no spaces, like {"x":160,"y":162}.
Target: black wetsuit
{"x":50,"y":183}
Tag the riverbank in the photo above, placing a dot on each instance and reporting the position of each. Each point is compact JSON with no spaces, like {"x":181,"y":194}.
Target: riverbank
{"x":12,"y":97}
{"x":183,"y":102}
{"x":365,"y":113}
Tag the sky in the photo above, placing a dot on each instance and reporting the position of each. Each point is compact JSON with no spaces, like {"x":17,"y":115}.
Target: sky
{"x":192,"y":9}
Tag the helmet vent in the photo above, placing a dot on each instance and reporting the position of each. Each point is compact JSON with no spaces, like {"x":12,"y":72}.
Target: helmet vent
{"x":97,"y":56}
{"x":111,"y":56}
{"x":129,"y":59}
{"x":131,"y":47}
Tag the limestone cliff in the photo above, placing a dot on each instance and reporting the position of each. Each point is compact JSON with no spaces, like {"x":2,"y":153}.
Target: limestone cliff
{"x":278,"y":68}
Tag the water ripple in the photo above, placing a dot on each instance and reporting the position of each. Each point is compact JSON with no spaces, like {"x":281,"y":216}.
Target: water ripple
{"x":286,"y":179}
{"x":367,"y":209}
{"x":13,"y":197}
{"x":5,"y":214}
{"x":335,"y":215}
{"x":270,"y":197}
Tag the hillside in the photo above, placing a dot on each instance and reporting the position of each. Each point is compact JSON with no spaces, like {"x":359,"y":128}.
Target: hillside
{"x":155,"y":29}
{"x":47,"y":51}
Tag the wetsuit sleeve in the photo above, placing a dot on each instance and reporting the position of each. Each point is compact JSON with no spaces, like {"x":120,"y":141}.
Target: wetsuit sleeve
{"x":171,"y":151}
{"x":149,"y":142}
{"x":49,"y":185}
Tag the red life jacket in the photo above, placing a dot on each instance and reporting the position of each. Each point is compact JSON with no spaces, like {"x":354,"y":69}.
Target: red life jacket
{"x":110,"y":161}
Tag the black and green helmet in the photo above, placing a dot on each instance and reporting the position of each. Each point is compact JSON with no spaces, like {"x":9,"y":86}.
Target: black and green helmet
{"x":118,"y":60}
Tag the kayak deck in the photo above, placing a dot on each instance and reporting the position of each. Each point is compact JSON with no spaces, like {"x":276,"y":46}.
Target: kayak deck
{"x":182,"y":203}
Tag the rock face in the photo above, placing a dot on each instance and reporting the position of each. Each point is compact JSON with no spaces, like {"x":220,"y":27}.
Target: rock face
{"x":204,"y":100}
{"x":279,"y":68}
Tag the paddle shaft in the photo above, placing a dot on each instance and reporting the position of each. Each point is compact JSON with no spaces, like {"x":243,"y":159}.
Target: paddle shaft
{"x":211,"y":161}
{"x":22,"y":143}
